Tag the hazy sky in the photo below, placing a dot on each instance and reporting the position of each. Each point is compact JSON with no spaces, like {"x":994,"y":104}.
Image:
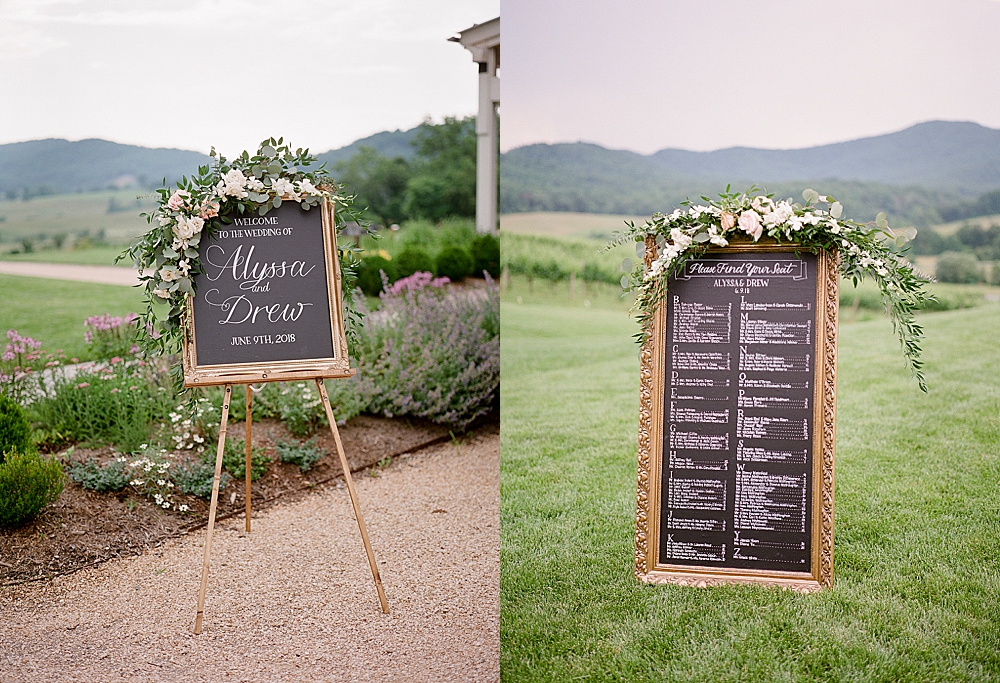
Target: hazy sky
{"x":708,"y":74}
{"x":196,"y":73}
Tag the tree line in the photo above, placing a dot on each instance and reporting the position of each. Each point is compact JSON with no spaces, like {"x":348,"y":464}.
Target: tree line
{"x":438,"y":182}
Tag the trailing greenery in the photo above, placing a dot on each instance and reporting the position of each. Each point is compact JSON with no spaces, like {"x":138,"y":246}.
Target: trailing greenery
{"x":28,"y":483}
{"x":862,"y":250}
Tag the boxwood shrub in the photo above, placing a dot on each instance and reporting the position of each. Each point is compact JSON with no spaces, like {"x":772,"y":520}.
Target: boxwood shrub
{"x":486,"y":255}
{"x":15,"y":430}
{"x":411,"y":260}
{"x":454,"y":263}
{"x":27,"y":484}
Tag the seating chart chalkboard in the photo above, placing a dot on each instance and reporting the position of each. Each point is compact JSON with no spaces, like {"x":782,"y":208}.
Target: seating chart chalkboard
{"x":740,"y":427}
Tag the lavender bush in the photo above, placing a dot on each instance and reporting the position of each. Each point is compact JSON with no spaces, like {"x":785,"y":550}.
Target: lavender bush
{"x":432,"y":352}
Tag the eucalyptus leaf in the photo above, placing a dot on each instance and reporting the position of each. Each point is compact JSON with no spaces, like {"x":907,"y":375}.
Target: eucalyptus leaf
{"x":169,"y":253}
{"x":640,"y":249}
{"x":911,"y":233}
{"x":701,"y":237}
{"x":184,"y":285}
{"x":627,"y":264}
{"x":267,"y":151}
{"x":305,"y":207}
{"x":276,"y":202}
{"x":624,"y":281}
{"x":274,"y":169}
{"x":837,"y":209}
{"x":191,"y":253}
{"x":263,"y":209}
{"x":810,"y":195}
{"x":881,"y":221}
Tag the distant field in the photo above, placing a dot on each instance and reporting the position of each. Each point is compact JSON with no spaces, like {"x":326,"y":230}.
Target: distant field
{"x":94,"y":256}
{"x":42,"y":218}
{"x":979,"y":222}
{"x":564,"y":224}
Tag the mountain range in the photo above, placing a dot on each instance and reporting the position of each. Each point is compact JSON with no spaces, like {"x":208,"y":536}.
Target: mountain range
{"x":54,"y":166}
{"x":916,"y":175}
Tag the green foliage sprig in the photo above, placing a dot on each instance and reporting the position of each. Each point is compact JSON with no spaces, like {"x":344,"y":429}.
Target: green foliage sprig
{"x":226,"y":189}
{"x":863,"y":249}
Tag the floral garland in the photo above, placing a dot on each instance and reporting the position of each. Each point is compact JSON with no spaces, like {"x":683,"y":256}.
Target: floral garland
{"x":167,"y":255}
{"x":865,"y":250}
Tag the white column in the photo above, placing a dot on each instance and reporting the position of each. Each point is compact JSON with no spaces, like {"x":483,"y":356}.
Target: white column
{"x":487,"y":138}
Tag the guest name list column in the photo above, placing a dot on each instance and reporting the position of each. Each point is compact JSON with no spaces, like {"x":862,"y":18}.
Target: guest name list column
{"x":737,"y":451}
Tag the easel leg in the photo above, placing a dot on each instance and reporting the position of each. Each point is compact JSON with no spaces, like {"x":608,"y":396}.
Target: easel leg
{"x":354,"y":496}
{"x":249,"y":436}
{"x":211,"y":511}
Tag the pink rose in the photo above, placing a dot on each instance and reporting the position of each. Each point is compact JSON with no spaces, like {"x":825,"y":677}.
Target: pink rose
{"x":176,"y":200}
{"x":750,"y":224}
{"x":209,"y":210}
{"x":728,"y":221}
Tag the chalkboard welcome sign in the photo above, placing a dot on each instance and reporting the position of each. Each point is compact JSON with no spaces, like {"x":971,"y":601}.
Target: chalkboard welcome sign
{"x":268,"y":304}
{"x":736,"y":441}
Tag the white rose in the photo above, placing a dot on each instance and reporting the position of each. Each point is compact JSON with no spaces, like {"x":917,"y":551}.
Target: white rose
{"x":169,"y":274}
{"x":680,"y":239}
{"x":233,"y":182}
{"x":162,"y":293}
{"x":254,"y":184}
{"x":187,"y":228}
{"x":283,"y":188}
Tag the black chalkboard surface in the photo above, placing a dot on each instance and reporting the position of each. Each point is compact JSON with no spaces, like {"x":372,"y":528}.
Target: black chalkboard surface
{"x":739,"y":373}
{"x":264,"y":295}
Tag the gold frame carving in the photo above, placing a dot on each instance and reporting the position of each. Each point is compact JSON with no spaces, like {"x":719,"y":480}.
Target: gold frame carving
{"x":280,"y":371}
{"x":650,"y":452}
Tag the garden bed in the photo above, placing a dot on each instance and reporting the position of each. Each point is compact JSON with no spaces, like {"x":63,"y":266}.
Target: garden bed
{"x":84,"y":528}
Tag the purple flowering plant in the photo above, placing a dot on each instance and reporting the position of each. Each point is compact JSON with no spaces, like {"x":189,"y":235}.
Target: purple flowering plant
{"x":20,"y":362}
{"x":112,"y":335}
{"x":432,"y":352}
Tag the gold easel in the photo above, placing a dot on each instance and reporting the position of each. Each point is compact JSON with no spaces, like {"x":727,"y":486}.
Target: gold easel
{"x":218,"y":474}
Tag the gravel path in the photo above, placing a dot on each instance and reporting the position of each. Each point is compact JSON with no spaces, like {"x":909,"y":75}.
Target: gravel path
{"x":294,"y":600}
{"x":105,"y":275}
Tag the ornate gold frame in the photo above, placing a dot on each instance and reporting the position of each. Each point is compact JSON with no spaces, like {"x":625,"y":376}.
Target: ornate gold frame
{"x":280,"y":371}
{"x":650,"y":457}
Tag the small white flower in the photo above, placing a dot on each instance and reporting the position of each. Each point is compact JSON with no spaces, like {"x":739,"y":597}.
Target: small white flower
{"x":306,"y":187}
{"x":183,"y":508}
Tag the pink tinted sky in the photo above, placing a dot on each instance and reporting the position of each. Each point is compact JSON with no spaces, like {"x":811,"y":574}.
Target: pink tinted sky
{"x":704,"y":75}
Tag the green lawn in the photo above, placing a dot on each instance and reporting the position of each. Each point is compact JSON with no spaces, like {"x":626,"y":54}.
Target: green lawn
{"x":53,"y":311}
{"x":917,"y":538}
